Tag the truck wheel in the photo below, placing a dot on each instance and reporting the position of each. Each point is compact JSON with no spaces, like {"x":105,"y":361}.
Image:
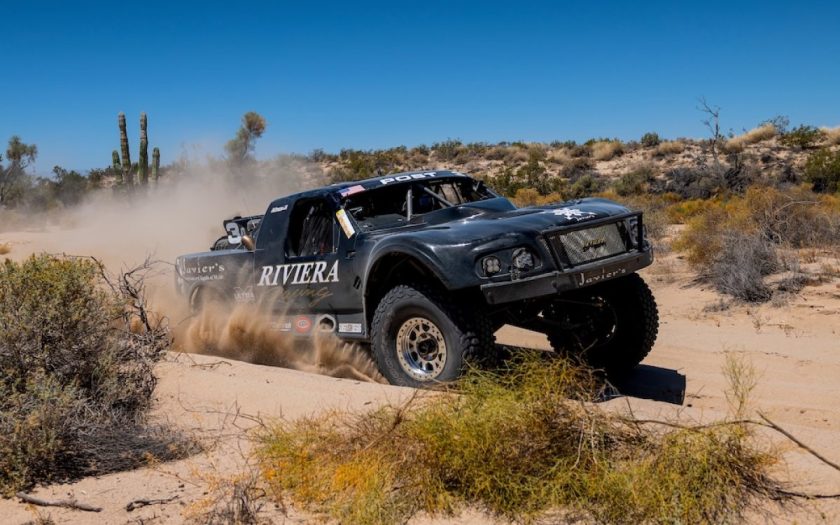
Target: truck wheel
{"x":419,"y":339}
{"x":610,"y":326}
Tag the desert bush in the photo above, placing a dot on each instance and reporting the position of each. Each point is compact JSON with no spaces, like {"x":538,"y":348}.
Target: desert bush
{"x":741,"y":263}
{"x":236,"y":499}
{"x":585,"y":186}
{"x":76,"y":380}
{"x":531,"y":197}
{"x":754,"y":136}
{"x":650,"y":140}
{"x":803,"y":137}
{"x":520,"y":443}
{"x":576,"y":168}
{"x":5,"y":248}
{"x":559,"y":156}
{"x":319,"y":155}
{"x":506,"y":182}
{"x":606,"y":150}
{"x":831,"y":135}
{"x":732,"y":243}
{"x":693,"y":183}
{"x":526,"y":197}
{"x":680,"y":211}
{"x":634,"y":182}
{"x":669,"y":147}
{"x":447,"y":150}
{"x":655,"y":211}
{"x":822,"y":170}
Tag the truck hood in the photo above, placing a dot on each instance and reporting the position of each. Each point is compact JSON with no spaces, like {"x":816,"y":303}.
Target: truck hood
{"x":497,"y":218}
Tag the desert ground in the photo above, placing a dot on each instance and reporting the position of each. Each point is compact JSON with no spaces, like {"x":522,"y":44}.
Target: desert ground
{"x":794,"y":348}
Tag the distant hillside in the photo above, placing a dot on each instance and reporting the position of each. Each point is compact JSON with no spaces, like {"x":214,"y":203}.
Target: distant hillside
{"x":684,"y":166}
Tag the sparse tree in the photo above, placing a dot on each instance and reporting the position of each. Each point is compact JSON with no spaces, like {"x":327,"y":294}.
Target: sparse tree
{"x":240,"y":149}
{"x":13,"y":177}
{"x":712,"y":122}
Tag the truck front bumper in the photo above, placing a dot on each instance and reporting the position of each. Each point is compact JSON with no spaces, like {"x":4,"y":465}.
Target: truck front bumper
{"x":560,"y":281}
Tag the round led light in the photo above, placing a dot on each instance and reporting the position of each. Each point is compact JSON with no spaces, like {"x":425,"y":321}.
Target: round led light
{"x":491,"y":265}
{"x":523,"y":259}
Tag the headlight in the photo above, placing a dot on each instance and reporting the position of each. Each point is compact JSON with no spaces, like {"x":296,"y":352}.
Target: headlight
{"x":491,"y":265}
{"x":523,"y":260}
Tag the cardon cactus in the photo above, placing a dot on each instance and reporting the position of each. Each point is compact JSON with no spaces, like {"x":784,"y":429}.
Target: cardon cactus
{"x":125,"y":167}
{"x":126,"y":156}
{"x":115,"y":164}
{"x":155,"y":164}
{"x":143,"y":160}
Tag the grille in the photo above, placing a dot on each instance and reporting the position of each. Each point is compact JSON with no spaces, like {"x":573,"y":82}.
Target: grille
{"x":587,"y":245}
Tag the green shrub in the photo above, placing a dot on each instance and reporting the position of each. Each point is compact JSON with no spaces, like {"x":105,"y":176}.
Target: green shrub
{"x":650,"y":140}
{"x":803,"y":137}
{"x":585,"y":186}
{"x":522,"y":443}
{"x":448,"y":149}
{"x":635,"y":182}
{"x":822,"y":170}
{"x":76,"y":372}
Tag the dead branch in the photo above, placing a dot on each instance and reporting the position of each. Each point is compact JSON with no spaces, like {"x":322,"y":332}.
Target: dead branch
{"x":138,"y":503}
{"x":66,"y":503}
{"x":770,"y":424}
{"x":766,"y":423}
{"x":209,"y":366}
{"x":781,"y":494}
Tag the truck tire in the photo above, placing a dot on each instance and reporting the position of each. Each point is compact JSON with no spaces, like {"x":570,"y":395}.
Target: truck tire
{"x":610,"y":326}
{"x":419,"y":339}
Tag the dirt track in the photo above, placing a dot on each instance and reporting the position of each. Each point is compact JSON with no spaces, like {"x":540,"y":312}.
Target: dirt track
{"x":794,"y":348}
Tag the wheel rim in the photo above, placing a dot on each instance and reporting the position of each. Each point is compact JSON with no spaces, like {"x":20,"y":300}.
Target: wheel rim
{"x":421,"y":349}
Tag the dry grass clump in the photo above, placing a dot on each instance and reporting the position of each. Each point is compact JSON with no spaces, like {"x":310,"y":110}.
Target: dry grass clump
{"x":229,"y":499}
{"x":75,"y":379}
{"x":5,"y":248}
{"x":669,"y":147}
{"x":607,"y":149}
{"x":831,"y":135}
{"x":753,"y":136}
{"x":519,"y":443}
{"x":531,"y":197}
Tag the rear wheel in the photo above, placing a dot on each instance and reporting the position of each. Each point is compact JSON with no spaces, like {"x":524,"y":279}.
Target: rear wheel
{"x":611,"y":326}
{"x":420,"y":339}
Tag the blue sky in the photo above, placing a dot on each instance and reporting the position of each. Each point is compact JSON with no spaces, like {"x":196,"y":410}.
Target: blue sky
{"x":370,"y":75}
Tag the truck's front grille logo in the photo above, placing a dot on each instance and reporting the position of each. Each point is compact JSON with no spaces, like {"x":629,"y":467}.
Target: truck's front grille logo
{"x":592,"y":244}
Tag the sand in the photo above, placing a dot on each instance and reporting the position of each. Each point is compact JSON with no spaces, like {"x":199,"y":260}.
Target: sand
{"x":795,"y":349}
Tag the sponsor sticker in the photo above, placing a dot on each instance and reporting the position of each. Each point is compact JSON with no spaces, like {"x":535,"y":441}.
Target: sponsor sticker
{"x":573,"y":214}
{"x":350,"y":328}
{"x":408,"y":177}
{"x":345,"y":223}
{"x":279,"y":208}
{"x":244,"y":295}
{"x":302,"y":324}
{"x":281,"y":325}
{"x":298,"y":273}
{"x":587,"y":278}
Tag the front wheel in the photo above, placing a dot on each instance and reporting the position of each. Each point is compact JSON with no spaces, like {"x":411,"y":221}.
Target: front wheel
{"x":420,"y":339}
{"x":610,"y":326}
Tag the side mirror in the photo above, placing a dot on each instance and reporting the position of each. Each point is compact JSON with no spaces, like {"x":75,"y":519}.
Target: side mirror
{"x":234,"y":236}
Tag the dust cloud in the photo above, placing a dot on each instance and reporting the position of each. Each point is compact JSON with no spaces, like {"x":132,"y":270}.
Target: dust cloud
{"x":184,"y":214}
{"x":242,"y":333}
